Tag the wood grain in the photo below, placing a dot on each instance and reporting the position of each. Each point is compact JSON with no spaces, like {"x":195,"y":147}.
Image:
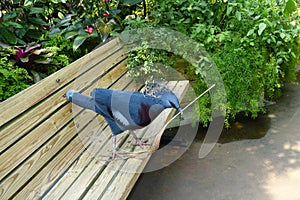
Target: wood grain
{"x":20,"y":151}
{"x":34,"y":94}
{"x":118,"y":178}
{"x":58,"y":165}
{"x":11,"y":133}
{"x":49,"y":152}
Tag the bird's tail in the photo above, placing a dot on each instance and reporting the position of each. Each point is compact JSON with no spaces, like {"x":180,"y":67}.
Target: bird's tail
{"x":81,"y":100}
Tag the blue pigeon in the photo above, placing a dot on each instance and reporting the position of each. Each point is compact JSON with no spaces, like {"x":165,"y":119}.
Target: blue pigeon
{"x":125,"y":110}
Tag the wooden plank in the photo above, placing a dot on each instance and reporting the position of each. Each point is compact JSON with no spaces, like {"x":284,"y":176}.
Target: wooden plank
{"x":23,"y":174}
{"x":34,"y":94}
{"x":130,"y":171}
{"x":12,"y":161}
{"x":116,"y":181}
{"x":11,"y":133}
{"x":86,"y":168}
{"x":58,"y":165}
{"x":20,"y":151}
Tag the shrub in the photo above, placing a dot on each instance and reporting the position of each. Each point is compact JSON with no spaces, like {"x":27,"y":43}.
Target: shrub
{"x":253,"y":44}
{"x":12,"y":78}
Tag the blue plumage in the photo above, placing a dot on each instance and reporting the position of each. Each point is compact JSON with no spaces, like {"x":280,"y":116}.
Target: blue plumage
{"x":125,"y":110}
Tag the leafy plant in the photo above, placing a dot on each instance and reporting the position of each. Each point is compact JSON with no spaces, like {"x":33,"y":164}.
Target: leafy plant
{"x":23,"y":22}
{"x":87,"y":23}
{"x":253,"y":44}
{"x":12,"y":78}
{"x":146,"y":62}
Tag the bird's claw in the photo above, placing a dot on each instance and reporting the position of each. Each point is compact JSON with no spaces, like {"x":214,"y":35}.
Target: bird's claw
{"x":141,"y":143}
{"x":116,"y":154}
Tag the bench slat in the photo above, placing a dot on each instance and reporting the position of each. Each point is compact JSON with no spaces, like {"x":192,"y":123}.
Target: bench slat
{"x":34,"y":94}
{"x":11,"y":133}
{"x":119,"y":183}
{"x":86,"y":168}
{"x":85,"y":176}
{"x":48,"y":152}
{"x":12,"y":161}
{"x":50,"y":173}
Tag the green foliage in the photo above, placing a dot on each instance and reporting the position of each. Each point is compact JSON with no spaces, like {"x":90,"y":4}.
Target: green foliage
{"x":12,"y":78}
{"x":49,"y":34}
{"x":62,"y":52}
{"x":24,"y":21}
{"x":248,"y":78}
{"x":146,"y":62}
{"x":93,"y":21}
{"x":253,"y":44}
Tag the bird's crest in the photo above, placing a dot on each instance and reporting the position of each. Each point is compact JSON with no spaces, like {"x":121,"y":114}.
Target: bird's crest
{"x":156,"y":88}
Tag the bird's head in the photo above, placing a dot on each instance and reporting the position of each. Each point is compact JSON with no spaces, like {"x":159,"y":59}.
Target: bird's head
{"x":170,"y":100}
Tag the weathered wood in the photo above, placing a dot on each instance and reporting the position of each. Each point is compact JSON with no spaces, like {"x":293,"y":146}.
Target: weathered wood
{"x":12,"y":133}
{"x":34,"y":94}
{"x":51,"y":149}
{"x":45,"y":150}
{"x":86,"y":167}
{"x":125,"y":177}
{"x":32,"y":141}
{"x":61,"y":162}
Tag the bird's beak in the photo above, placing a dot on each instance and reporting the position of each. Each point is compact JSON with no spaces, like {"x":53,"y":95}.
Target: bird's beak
{"x":181,"y":113}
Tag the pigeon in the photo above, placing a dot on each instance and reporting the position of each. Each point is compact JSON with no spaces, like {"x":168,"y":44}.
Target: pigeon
{"x":125,"y":110}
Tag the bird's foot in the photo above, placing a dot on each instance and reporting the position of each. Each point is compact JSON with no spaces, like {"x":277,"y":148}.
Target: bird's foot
{"x":140,"y":143}
{"x":116,"y":154}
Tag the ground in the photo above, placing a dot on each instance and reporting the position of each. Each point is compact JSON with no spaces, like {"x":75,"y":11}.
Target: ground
{"x":267,"y":168}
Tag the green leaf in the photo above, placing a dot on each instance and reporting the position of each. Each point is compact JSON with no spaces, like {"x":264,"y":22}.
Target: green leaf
{"x":28,"y":3}
{"x":273,"y":39}
{"x":13,"y":24}
{"x":71,"y":34}
{"x":290,"y":7}
{"x":21,"y":32}
{"x":8,"y":36}
{"x":282,"y":35}
{"x":261,"y":28}
{"x":131,"y":2}
{"x":65,"y":20}
{"x":229,"y":9}
{"x":279,"y":61}
{"x":37,"y":21}
{"x":238,"y":15}
{"x":19,"y":41}
{"x":34,"y":34}
{"x":9,"y":16}
{"x":54,"y":31}
{"x":250,"y":32}
{"x":36,"y":10}
{"x":79,"y":40}
{"x":115,"y":12}
{"x":60,"y":15}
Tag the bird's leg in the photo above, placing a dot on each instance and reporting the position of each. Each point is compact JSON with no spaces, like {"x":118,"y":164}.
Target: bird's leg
{"x":181,"y":115}
{"x":137,"y":140}
{"x":114,"y":145}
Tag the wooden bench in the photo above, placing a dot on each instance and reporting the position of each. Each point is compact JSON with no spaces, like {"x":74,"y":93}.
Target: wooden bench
{"x":43,"y":155}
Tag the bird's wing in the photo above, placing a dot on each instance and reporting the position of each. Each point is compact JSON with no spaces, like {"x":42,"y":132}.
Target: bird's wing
{"x":120,"y":118}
